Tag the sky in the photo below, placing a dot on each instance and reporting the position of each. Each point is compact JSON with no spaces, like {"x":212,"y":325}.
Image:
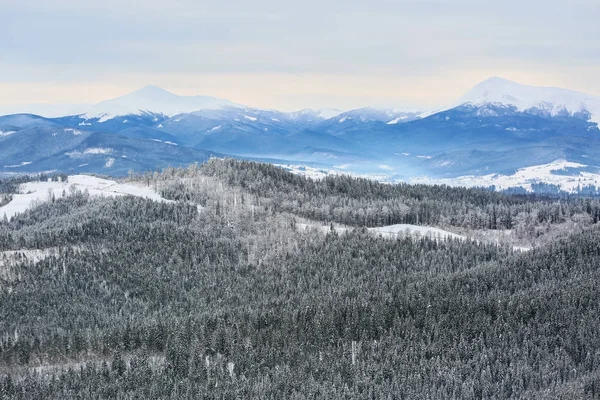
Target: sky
{"x":293,"y":55}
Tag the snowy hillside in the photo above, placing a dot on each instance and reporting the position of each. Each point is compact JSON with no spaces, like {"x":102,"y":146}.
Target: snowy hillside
{"x":390,"y":116}
{"x":152,"y":99}
{"x":32,"y":193}
{"x":322,"y":113}
{"x":547,"y":100}
{"x":553,"y":173}
{"x":390,"y":231}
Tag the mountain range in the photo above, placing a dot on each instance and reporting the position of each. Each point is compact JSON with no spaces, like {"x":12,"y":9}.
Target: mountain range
{"x":496,"y":128}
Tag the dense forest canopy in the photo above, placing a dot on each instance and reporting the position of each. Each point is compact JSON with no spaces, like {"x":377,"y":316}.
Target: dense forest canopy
{"x":221,"y":294}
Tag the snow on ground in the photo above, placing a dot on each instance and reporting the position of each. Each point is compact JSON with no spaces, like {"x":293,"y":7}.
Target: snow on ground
{"x":552,"y":173}
{"x":89,"y":150}
{"x":155,"y":100}
{"x":48,"y":371}
{"x":396,"y":120}
{"x":390,"y":231}
{"x":165,"y":142}
{"x":400,"y":231}
{"x":97,"y":150}
{"x":309,"y":172}
{"x":328,"y":113}
{"x":73,"y":131}
{"x":393,"y":231}
{"x":554,"y":101}
{"x":24,"y":163}
{"x":524,"y":177}
{"x":320,"y":173}
{"x":12,"y":257}
{"x":32,"y":193}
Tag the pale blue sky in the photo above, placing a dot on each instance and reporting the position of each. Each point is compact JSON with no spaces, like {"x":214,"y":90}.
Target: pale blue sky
{"x":292,"y":55}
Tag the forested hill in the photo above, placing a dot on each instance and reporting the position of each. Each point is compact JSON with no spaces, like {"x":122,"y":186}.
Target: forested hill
{"x":363,"y":202}
{"x":222,"y":294}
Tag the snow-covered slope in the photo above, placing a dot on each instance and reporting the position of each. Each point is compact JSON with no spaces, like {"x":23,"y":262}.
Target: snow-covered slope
{"x":390,"y":116}
{"x":32,"y":193}
{"x":321,"y":113}
{"x":389,"y":231}
{"x":400,"y":230}
{"x":554,"y":173}
{"x":546,"y":100}
{"x":152,"y":99}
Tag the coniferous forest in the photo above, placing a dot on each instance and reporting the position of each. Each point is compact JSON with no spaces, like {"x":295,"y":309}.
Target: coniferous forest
{"x":231,"y":290}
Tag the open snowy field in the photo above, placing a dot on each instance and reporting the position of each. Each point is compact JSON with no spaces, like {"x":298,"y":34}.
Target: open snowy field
{"x":343,"y":169}
{"x":32,"y":193}
{"x":403,"y":230}
{"x":524,"y":177}
{"x":391,"y":231}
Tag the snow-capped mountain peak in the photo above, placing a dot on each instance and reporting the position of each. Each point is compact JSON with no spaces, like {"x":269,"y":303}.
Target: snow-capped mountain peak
{"x":547,"y":100}
{"x":321,"y":113}
{"x":152,"y":99}
{"x":390,"y":116}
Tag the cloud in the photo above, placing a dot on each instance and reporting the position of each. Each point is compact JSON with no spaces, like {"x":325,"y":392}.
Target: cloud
{"x":401,"y":45}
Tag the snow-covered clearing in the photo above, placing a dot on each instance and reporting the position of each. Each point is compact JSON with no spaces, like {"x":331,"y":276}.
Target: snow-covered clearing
{"x":396,"y":120}
{"x":390,"y":231}
{"x":73,"y":131}
{"x":91,"y":150}
{"x":320,"y":173}
{"x":32,"y":193}
{"x":11,"y":258}
{"x":400,"y":231}
{"x":525,"y":177}
{"x":47,"y":371}
{"x":393,"y":231}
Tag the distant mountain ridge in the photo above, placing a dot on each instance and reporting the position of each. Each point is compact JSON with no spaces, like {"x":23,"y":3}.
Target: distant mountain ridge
{"x":497,"y":127}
